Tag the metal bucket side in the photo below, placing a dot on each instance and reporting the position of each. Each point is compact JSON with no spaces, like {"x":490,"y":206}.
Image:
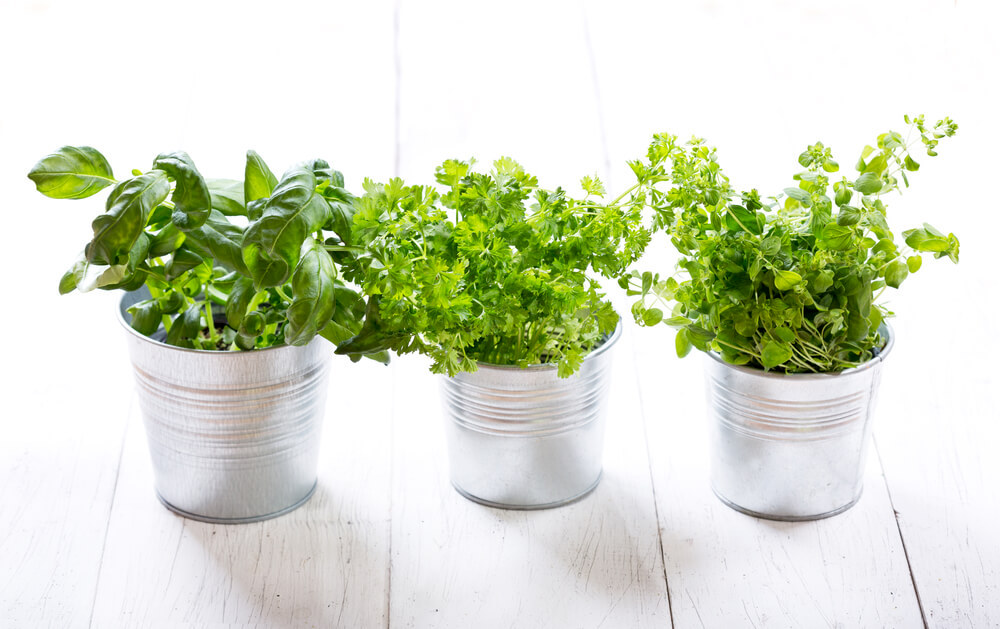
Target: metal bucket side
{"x":791,"y":446}
{"x":523,"y":438}
{"x":233,"y":436}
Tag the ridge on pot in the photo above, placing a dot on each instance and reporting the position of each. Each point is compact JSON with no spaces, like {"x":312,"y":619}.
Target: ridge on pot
{"x":234,"y":436}
{"x":791,"y":446}
{"x":523,"y":438}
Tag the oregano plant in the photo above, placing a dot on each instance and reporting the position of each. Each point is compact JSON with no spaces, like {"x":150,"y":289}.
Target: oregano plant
{"x":229,"y":265}
{"x":491,"y":268}
{"x":788,"y":282}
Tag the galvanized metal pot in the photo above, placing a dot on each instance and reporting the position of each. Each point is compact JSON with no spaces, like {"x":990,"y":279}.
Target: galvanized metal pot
{"x":791,"y":446}
{"x":523,"y":438}
{"x":234,"y":436}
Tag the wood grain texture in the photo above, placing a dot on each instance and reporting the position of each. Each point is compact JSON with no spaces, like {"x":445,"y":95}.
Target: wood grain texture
{"x":323,"y":565}
{"x":937,"y":436}
{"x":728,"y":569}
{"x":594,"y":563}
{"x":566,"y":88}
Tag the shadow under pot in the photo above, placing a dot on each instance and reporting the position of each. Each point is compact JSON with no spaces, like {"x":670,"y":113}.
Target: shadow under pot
{"x":791,"y":446}
{"x":523,"y":438}
{"x":233,"y":435}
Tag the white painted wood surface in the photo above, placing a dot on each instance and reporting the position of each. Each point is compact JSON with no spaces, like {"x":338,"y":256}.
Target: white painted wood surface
{"x":567,"y":88}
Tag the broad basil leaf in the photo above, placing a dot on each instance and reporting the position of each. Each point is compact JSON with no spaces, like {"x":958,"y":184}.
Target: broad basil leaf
{"x":72,"y":172}
{"x":227,"y":196}
{"x":146,"y":316}
{"x":312,"y":295}
{"x":72,"y":278}
{"x":192,"y":200}
{"x":185,"y":327}
{"x":272,"y":244}
{"x":240,"y":296}
{"x":128,"y":208}
{"x":258,"y":180}
{"x":221,"y":241}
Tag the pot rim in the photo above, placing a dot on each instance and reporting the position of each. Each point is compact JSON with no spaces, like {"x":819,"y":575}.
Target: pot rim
{"x":600,"y":349}
{"x":120,"y":313}
{"x":890,"y":336}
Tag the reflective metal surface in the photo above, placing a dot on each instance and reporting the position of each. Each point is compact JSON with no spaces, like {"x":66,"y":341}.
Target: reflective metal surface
{"x":234,"y":436}
{"x":523,"y":438}
{"x":790,"y":446}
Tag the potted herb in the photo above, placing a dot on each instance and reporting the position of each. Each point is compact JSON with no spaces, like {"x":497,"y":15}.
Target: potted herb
{"x":497,"y":281}
{"x":227,"y":284}
{"x":782,"y":293}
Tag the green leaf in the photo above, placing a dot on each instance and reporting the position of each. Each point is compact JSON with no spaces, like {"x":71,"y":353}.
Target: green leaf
{"x":739,"y":217}
{"x":652,"y":316}
{"x":312,"y":295}
{"x":181,"y":262}
{"x":146,"y":316}
{"x":128,"y":208}
{"x":192,"y":200}
{"x":848,"y":215}
{"x":896,"y":272}
{"x":647,"y":282}
{"x":165,"y":241}
{"x":221,"y":241}
{"x":72,"y":278}
{"x":910,"y":165}
{"x":185,"y":328}
{"x":774,"y":353}
{"x":785,"y":334}
{"x":238,"y":302}
{"x":72,"y":172}
{"x":227,"y":196}
{"x":837,"y":237}
{"x":259,"y":182}
{"x":843,"y":195}
{"x":799,"y":195}
{"x":682,"y":343}
{"x":921,"y":239}
{"x":272,"y":244}
{"x":868,"y":183}
{"x":785,"y":280}
{"x":123,"y":276}
{"x":877,"y":165}
{"x":913,"y":263}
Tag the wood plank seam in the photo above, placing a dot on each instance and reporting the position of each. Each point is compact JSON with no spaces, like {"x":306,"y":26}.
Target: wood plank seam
{"x":652,"y":482}
{"x":902,"y":539}
{"x":111,"y":506}
{"x":606,"y":156}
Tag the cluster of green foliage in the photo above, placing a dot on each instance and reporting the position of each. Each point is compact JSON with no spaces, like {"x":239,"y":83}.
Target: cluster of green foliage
{"x":228,"y":264}
{"x":785,"y":283}
{"x":492,"y":269}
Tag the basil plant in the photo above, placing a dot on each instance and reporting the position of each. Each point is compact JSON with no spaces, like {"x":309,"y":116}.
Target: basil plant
{"x":228,"y":265}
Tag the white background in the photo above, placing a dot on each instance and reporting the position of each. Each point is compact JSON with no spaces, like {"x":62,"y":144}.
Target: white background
{"x":381,"y":89}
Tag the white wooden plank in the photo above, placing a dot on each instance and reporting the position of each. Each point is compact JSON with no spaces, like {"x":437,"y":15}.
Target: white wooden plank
{"x":64,"y":380}
{"x":521,"y":87}
{"x":740,"y":75}
{"x":323,"y":565}
{"x":728,"y":569}
{"x":937,"y":435}
{"x":594,"y":563}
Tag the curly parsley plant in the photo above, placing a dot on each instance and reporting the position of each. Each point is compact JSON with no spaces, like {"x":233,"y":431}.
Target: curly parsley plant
{"x":492,"y":268}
